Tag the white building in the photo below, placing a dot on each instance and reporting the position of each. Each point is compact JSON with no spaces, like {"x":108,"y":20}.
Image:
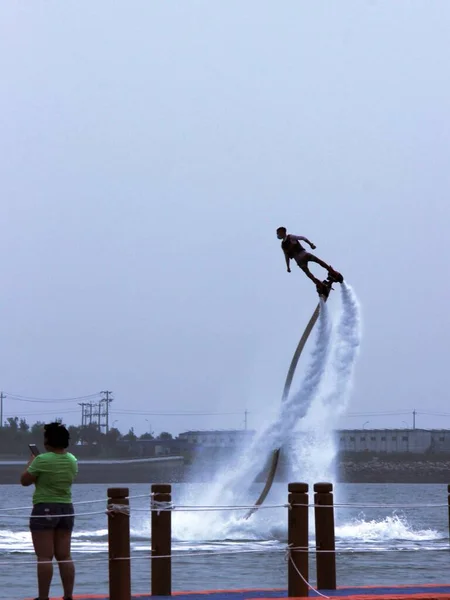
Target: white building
{"x":219,"y":438}
{"x":414,"y":441}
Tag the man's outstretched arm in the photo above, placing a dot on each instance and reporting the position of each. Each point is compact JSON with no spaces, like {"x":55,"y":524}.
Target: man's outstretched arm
{"x":302,"y":238}
{"x":286,"y":258}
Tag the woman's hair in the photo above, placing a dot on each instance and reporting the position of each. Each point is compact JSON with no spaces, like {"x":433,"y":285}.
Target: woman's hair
{"x":56,"y":435}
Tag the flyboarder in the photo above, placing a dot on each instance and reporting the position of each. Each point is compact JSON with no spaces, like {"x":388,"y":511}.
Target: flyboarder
{"x":293,"y":249}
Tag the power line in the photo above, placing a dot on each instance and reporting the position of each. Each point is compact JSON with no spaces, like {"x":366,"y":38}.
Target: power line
{"x":41,"y":412}
{"x":31,"y":399}
{"x":432,"y":414}
{"x":378,"y":414}
{"x":173,"y":414}
{"x":105,"y":412}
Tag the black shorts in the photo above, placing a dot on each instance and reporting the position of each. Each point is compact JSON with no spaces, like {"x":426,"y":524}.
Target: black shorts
{"x":52,"y":515}
{"x":303,"y":258}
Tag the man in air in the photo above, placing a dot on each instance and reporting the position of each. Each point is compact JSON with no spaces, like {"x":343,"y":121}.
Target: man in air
{"x":293,"y":249}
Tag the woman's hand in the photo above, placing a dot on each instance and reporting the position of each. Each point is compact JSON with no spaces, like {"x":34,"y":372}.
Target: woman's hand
{"x":27,"y":478}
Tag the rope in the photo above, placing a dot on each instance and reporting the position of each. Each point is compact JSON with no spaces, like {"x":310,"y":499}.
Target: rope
{"x":357,"y":505}
{"x":48,"y":516}
{"x":377,"y":549}
{"x":114,"y":509}
{"x":182,"y":555}
{"x":80,"y":502}
{"x":111,"y":510}
{"x":151,"y":557}
{"x":288,"y":556}
{"x":157,"y":506}
{"x":162,"y":506}
{"x":166,"y":506}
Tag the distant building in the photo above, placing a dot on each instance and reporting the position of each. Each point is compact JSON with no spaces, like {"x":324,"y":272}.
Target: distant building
{"x":149,"y":448}
{"x":218,"y":438}
{"x":414,"y":441}
{"x":218,"y":441}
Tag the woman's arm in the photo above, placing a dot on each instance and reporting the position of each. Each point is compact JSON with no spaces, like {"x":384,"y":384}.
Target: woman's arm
{"x":28,"y":478}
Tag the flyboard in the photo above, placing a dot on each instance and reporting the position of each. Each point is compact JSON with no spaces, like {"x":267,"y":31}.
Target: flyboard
{"x":323,"y":291}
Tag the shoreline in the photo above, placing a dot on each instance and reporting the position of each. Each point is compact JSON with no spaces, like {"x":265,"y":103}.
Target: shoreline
{"x":174,"y":470}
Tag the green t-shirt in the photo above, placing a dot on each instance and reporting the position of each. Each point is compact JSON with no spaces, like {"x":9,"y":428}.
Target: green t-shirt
{"x":55,"y":474}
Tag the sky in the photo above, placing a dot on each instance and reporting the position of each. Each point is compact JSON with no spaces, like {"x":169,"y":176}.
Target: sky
{"x":149,"y":151}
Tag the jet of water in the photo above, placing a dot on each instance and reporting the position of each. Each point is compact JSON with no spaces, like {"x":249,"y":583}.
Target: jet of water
{"x":238,"y":481}
{"x":345,"y":350}
{"x":313,"y":456}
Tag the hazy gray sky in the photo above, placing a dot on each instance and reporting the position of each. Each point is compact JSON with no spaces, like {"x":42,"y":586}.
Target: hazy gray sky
{"x":148,"y":152}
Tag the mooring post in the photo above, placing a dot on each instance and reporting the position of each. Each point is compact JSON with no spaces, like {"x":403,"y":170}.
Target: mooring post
{"x":448,"y":497}
{"x":161,"y":533}
{"x":325,"y":536}
{"x":118,"y":509}
{"x":298,"y":540}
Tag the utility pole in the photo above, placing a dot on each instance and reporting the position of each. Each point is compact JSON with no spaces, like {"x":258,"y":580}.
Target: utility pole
{"x":414,"y":418}
{"x":107,"y":400}
{"x":2,"y":396}
{"x":83,"y":413}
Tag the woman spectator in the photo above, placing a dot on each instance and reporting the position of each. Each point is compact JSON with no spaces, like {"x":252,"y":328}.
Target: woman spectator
{"x":52,"y":519}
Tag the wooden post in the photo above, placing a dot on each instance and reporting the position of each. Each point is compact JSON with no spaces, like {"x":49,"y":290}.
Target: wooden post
{"x":325,"y":537}
{"x":448,"y":492}
{"x":119,"y":544}
{"x":161,"y":541}
{"x":298,"y":538}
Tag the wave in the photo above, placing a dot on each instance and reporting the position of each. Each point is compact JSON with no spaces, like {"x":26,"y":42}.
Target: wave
{"x":357,"y":535}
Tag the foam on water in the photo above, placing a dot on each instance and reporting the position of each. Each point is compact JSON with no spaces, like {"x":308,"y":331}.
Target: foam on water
{"x":391,"y":528}
{"x":270,"y":530}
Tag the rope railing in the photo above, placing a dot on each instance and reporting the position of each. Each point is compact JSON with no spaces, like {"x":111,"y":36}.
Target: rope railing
{"x":146,"y":556}
{"x":296,"y":551}
{"x":218,"y":508}
{"x":49,"y":516}
{"x":77,"y":503}
{"x":212,"y":553}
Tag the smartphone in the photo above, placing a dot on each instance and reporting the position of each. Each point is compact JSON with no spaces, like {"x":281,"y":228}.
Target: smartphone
{"x":33,"y":449}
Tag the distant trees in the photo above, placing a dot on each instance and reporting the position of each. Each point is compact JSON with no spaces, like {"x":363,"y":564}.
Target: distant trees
{"x":113,"y":436}
{"x":17,"y":433}
{"x":37,"y":428}
{"x":14,"y":435}
{"x":130,"y":436}
{"x":75,"y":433}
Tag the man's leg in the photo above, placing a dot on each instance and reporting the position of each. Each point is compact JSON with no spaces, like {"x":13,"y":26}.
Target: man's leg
{"x":302,"y":261}
{"x":332,"y":273}
{"x":319,"y":261}
{"x":308,"y":273}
